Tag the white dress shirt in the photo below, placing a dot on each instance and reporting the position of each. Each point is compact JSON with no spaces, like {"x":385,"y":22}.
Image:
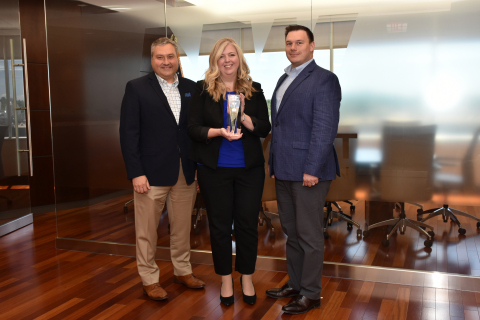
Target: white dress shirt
{"x":173,"y":95}
{"x":292,"y":74}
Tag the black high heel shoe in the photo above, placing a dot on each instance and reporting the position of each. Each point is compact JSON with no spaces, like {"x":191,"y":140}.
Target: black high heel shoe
{"x":248,"y":299}
{"x":228,"y":301}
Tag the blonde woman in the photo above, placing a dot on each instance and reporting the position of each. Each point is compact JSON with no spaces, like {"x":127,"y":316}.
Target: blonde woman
{"x":230,"y":167}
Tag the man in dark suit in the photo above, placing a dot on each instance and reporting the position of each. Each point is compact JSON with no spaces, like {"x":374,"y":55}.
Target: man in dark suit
{"x":155,"y":147}
{"x":303,"y":161}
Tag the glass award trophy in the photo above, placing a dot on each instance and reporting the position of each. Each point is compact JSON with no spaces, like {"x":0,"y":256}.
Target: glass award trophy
{"x":233,"y":109}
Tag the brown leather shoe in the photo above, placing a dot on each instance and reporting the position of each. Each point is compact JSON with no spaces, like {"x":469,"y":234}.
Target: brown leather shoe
{"x":190,"y":281}
{"x":155,"y":292}
{"x":283,"y":292}
{"x":301,"y":305}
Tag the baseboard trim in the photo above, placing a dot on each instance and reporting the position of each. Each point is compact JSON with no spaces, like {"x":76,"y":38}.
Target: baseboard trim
{"x":419,"y":278}
{"x":16,"y":224}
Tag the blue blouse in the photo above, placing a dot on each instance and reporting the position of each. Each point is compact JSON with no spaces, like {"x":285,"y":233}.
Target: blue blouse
{"x":231,"y":153}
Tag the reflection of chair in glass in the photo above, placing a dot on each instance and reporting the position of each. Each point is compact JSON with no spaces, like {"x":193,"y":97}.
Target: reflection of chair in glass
{"x":343,"y":188}
{"x":197,"y":209}
{"x":269,"y":191}
{"x":406,"y":174}
{"x":447,"y":181}
{"x":125,"y":207}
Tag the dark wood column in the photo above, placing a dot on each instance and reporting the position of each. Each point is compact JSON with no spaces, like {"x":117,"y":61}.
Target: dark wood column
{"x":32,"y":22}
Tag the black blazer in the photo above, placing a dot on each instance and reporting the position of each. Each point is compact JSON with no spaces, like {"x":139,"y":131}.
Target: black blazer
{"x":204,"y":113}
{"x":150,"y":138}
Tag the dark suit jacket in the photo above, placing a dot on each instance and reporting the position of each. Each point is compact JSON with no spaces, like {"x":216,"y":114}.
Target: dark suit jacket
{"x":151,"y":140}
{"x":305,"y":126}
{"x":204,"y":113}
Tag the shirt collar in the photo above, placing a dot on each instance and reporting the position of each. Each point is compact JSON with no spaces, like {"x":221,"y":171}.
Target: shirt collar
{"x":295,"y":71}
{"x":165,"y":82}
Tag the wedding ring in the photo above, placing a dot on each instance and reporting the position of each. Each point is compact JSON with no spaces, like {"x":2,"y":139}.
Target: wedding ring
{"x":313,"y":184}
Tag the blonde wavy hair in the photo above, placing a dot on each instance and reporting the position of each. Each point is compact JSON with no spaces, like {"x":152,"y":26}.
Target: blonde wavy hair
{"x":213,"y":82}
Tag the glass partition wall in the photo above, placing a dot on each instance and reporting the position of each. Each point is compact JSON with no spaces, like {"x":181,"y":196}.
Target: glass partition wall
{"x":15,"y":210}
{"x":409,"y":124}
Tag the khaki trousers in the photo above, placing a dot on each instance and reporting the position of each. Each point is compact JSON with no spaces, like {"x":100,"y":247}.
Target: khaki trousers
{"x":180,"y":200}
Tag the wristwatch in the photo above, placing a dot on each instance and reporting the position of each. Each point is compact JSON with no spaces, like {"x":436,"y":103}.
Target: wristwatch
{"x":243,"y":119}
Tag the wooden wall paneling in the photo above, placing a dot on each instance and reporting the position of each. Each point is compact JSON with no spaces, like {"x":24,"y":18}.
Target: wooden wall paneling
{"x":42,"y":184}
{"x":32,"y":22}
{"x":38,"y":86}
{"x":41,"y":133}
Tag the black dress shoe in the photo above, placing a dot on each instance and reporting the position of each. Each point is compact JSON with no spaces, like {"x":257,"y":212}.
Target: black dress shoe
{"x":301,"y":305}
{"x":228,"y":301}
{"x":283,"y":292}
{"x":248,"y":299}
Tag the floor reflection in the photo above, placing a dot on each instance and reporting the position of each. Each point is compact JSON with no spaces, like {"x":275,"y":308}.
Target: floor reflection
{"x":451,"y":252}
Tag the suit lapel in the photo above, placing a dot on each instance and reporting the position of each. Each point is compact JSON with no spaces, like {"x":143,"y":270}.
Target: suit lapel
{"x":164,"y":101}
{"x":273,"y":105}
{"x":184,"y":94}
{"x":299,"y":79}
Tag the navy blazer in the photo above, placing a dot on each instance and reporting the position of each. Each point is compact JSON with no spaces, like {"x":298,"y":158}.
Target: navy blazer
{"x":152,"y":143}
{"x":305,"y":126}
{"x":205,"y":113}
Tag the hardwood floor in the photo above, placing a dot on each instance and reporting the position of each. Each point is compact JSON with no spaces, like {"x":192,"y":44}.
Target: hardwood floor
{"x":451,"y":252}
{"x":39,"y":282}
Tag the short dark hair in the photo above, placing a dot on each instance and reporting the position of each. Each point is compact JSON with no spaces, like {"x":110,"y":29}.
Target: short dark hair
{"x":296,"y":28}
{"x":161,"y":42}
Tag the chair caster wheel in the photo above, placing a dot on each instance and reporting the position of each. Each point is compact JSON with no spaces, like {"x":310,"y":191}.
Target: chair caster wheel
{"x":352,"y":208}
{"x":125,"y":210}
{"x":329,"y":223}
{"x":359,"y":233}
{"x":419,"y":212}
{"x":431,"y":233}
{"x":462,"y":231}
{"x":366,"y":233}
{"x":326,"y":235}
{"x":385,"y":243}
{"x":423,"y":228}
{"x":272,"y":234}
{"x":445,"y":220}
{"x":196,"y":231}
{"x":428,"y":243}
{"x":478,"y":224}
{"x":349,"y":226}
{"x":402,"y":233}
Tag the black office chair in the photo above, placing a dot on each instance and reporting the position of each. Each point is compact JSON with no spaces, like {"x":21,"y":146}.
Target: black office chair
{"x":450,"y":181}
{"x":406,"y":175}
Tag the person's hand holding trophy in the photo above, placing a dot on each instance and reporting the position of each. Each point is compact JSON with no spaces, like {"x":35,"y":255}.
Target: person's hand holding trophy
{"x":235,"y":106}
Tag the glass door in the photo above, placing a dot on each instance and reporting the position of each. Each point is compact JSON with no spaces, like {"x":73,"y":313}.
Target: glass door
{"x":15,"y":209}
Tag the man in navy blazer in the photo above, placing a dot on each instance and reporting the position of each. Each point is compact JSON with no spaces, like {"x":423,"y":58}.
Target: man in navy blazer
{"x":305,"y":115}
{"x":155,"y":148}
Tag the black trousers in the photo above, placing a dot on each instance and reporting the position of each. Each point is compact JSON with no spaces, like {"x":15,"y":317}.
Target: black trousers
{"x":301,"y":215}
{"x":232,"y":195}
